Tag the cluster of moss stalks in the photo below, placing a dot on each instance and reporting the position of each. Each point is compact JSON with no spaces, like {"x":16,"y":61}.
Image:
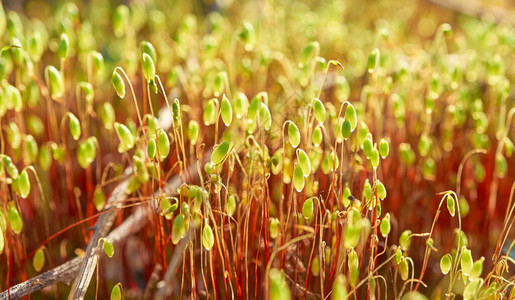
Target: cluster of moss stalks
{"x":320,"y":154}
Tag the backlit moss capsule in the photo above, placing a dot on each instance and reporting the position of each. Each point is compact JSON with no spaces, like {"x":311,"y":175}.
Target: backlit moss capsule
{"x":178,"y":229}
{"x":384,"y":148}
{"x":307,"y":208}
{"x":208,"y":238}
{"x":477,"y":269}
{"x":274,"y":228}
{"x":64,"y":46}
{"x":339,"y":288}
{"x":405,"y":240}
{"x":193,"y":131}
{"x":149,"y":70}
{"x":125,"y":136}
{"x":247,"y":35}
{"x":315,"y":266}
{"x":32,"y":149}
{"x":304,"y":162}
{"x":10,"y":167}
{"x":86,"y":152}
{"x":14,"y":218}
{"x":501,"y":165}
{"x":163,"y":144}
{"x":99,"y":199}
{"x":279,"y":289}
{"x":220,"y":152}
{"x":54,"y":81}
{"x":508,"y":147}
{"x":450,"y":204}
{"x":351,"y":116}
{"x":346,"y":129}
{"x":446,"y":263}
{"x":75,"y":129}
{"x":148,"y":48}
{"x":298,"y":179}
{"x":107,"y":115}
{"x":241,"y":104}
{"x":293,"y":134}
{"x":38,"y":261}
{"x":118,"y":84}
{"x":209,"y":115}
{"x":13,"y":97}
{"x":45,"y":157}
{"x":319,"y":108}
{"x":23,"y":184}
{"x":108,"y":247}
{"x":471,"y":291}
{"x":121,"y":19}
{"x":367,"y":147}
{"x":98,"y":61}
{"x":265,"y":116}
{"x":466,"y":261}
{"x":13,"y":135}
{"x":424,"y":145}
{"x":230,"y":206}
{"x":352,"y":230}
{"x":429,"y":168}
{"x":404,"y":269}
{"x":374,"y":158}
{"x":226,"y":111}
{"x":373,"y":60}
{"x":116,"y":292}
{"x":353,"y":265}
{"x":151,"y":148}
{"x":385,"y":227}
{"x":317,"y":136}
{"x":381,"y":190}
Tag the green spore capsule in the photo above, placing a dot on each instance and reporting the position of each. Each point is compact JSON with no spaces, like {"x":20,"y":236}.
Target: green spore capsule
{"x":384,"y":148}
{"x":208,"y":238}
{"x":307,"y":208}
{"x":99,"y":199}
{"x":220,"y":152}
{"x":64,"y":46}
{"x":193,"y":131}
{"x":304,"y":162}
{"x":178,"y":229}
{"x":450,"y":204}
{"x":149,"y":70}
{"x":279,"y":289}
{"x":108,"y":248}
{"x":118,"y":84}
{"x":23,"y":184}
{"x":405,"y":240}
{"x":226,"y":111}
{"x":446,"y":263}
{"x":320,"y":112}
{"x":38,"y":261}
{"x":298,"y":179}
{"x":466,"y":261}
{"x":241,"y":104}
{"x":14,"y":218}
{"x":293,"y":134}
{"x":125,"y":136}
{"x":351,"y":116}
{"x":116,"y":292}
{"x":163,"y":144}
{"x":385,"y":226}
{"x":75,"y":129}
{"x":209,"y":114}
{"x":381,"y":190}
{"x":55,"y":82}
